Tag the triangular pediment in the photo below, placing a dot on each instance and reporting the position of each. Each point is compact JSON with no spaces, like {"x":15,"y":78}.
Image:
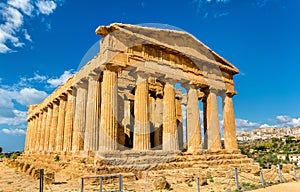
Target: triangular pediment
{"x":180,"y":41}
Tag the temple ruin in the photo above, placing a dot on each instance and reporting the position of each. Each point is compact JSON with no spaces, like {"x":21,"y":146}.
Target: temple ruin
{"x":130,"y":99}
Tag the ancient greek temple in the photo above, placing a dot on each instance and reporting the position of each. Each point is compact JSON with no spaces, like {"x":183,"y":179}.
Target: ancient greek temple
{"x":133,"y":96}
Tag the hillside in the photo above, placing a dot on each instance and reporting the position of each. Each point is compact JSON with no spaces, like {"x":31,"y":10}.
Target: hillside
{"x":265,"y":151}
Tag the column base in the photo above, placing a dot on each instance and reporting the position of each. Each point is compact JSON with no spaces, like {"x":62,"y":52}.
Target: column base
{"x":87,"y":153}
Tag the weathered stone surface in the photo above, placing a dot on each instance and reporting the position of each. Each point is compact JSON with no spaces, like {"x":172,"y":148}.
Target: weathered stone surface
{"x":161,"y":183}
{"x":130,"y":96}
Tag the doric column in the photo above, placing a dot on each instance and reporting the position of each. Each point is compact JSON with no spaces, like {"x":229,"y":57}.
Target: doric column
{"x":193,"y":121}
{"x":79,"y":118}
{"x":170,"y":132}
{"x":43,"y":129}
{"x":48,"y":127}
{"x":141,"y":137}
{"x":158,"y":122}
{"x":229,"y":122}
{"x":205,"y":142}
{"x":213,"y":125}
{"x":92,"y":115}
{"x":27,"y":138}
{"x":179,"y":122}
{"x":53,"y":129}
{"x":108,"y":122}
{"x":61,"y":123}
{"x":39,"y":128}
{"x":68,"y":132}
{"x":33,"y":133}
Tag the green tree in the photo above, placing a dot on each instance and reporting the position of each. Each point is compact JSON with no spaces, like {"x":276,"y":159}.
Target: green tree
{"x":0,"y":149}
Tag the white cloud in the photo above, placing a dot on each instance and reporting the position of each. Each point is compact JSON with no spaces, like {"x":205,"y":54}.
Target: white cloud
{"x":15,"y":132}
{"x":281,"y":121}
{"x":265,"y":126}
{"x":18,"y":118}
{"x":55,"y":82}
{"x":29,"y":96}
{"x":24,"y":5}
{"x":46,"y":7}
{"x":26,"y":35}
{"x":12,"y":20}
{"x":243,"y":124}
{"x":287,"y":121}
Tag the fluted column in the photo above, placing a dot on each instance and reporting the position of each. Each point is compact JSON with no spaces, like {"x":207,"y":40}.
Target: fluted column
{"x":68,"y":132}
{"x":38,"y":134}
{"x":141,"y":138}
{"x":229,"y":122}
{"x":92,"y":115}
{"x":61,"y":123}
{"x":179,"y":123}
{"x":33,"y":133}
{"x":158,"y":118}
{"x":108,"y":122}
{"x":27,"y":138}
{"x":53,"y":129}
{"x":193,"y":121}
{"x":170,"y":132}
{"x":43,"y":128}
{"x":48,"y":127}
{"x":79,"y":118}
{"x":205,"y":142}
{"x":213,"y":125}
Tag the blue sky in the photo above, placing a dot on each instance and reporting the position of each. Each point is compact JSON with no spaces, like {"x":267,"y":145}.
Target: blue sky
{"x":42,"y":43}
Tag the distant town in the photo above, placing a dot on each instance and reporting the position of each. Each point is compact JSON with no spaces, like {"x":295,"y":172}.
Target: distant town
{"x":271,"y":145}
{"x":268,"y":133}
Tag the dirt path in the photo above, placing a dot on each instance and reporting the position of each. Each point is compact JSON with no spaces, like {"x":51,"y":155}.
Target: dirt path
{"x":285,"y":187}
{"x":12,"y":180}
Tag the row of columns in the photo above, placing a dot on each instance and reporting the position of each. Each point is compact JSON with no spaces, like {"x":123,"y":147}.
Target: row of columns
{"x":51,"y":129}
{"x":95,"y":123}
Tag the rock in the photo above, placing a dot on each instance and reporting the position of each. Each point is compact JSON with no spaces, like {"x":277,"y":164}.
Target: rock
{"x":255,"y":170}
{"x":203,"y":181}
{"x":49,"y":177}
{"x":161,"y":183}
{"x":287,"y":168}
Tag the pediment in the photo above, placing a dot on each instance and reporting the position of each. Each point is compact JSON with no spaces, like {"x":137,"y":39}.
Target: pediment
{"x":174,"y":40}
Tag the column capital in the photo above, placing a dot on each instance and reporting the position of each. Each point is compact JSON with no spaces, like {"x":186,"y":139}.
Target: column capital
{"x":209,"y":90}
{"x":93,"y":77}
{"x":141,"y":77}
{"x":55,"y":101}
{"x":82,"y":84}
{"x":50,"y":105}
{"x":170,"y":81}
{"x":188,"y":86}
{"x":230,"y":93}
{"x":110,"y":67}
{"x":63,"y":96}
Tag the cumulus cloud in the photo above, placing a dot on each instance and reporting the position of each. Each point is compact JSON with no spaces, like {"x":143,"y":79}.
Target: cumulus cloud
{"x":18,"y":118}
{"x":14,"y":98}
{"x":12,"y":14}
{"x":244,"y":124}
{"x":280,"y":121}
{"x":16,"y":132}
{"x":23,"y":5}
{"x":29,"y":96}
{"x":55,"y":82}
{"x":287,"y":121}
{"x":265,"y":125}
{"x":46,"y":7}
